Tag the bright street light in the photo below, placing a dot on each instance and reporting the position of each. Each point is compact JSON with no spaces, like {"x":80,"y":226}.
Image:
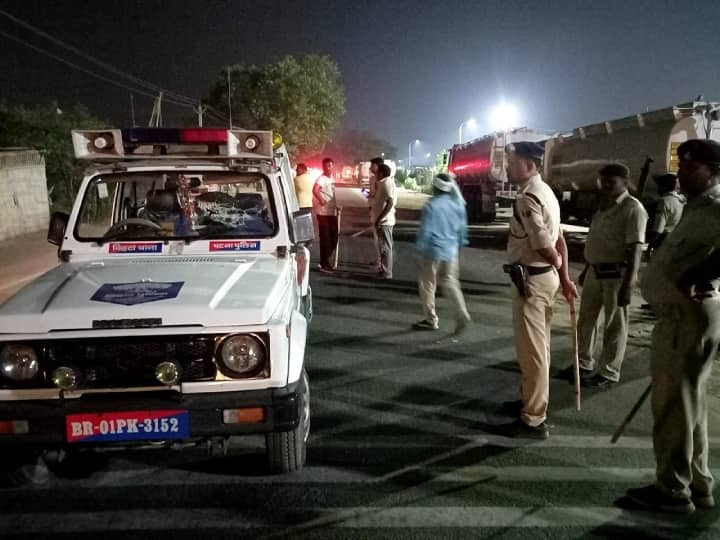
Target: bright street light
{"x":504,"y":116}
{"x":410,"y":145}
{"x":470,"y":122}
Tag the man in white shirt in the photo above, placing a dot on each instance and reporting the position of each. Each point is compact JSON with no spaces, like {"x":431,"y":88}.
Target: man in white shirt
{"x":374,"y":165}
{"x":383,"y":215}
{"x":325,"y":209}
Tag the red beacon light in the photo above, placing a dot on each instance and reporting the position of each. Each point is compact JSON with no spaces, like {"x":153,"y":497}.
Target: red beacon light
{"x":203,"y":136}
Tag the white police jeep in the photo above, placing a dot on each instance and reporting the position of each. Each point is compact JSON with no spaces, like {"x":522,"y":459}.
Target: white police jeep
{"x":179,"y":311}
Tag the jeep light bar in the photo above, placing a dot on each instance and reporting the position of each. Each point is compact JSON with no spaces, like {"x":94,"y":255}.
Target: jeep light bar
{"x":153,"y":143}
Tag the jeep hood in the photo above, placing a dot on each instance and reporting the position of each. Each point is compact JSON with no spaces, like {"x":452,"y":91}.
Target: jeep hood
{"x":188,"y":291}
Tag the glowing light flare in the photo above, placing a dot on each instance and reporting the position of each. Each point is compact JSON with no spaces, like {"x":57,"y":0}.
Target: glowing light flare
{"x":470,"y":166}
{"x":314,"y":172}
{"x":504,"y":116}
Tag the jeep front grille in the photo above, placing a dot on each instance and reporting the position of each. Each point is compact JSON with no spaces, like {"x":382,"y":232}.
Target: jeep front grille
{"x":125,"y":362}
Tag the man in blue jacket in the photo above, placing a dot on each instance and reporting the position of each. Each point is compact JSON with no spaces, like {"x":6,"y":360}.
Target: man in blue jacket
{"x":443,"y":230}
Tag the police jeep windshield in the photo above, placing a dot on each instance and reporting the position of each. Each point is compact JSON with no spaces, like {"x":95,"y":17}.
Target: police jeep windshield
{"x":176,"y":205}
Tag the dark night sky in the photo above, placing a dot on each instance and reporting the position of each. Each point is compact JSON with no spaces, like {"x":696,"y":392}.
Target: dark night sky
{"x":410,"y":68}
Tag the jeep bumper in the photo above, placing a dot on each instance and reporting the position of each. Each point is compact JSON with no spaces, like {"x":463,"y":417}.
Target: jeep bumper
{"x":45,"y":420}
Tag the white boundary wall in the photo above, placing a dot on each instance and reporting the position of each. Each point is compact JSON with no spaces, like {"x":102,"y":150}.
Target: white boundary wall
{"x":24,"y":205}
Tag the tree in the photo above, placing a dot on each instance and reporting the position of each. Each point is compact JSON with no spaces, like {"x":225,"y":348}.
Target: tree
{"x":47,"y":128}
{"x":302,"y":100}
{"x":353,"y":146}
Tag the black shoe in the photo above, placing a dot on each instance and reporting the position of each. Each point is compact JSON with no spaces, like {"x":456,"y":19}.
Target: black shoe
{"x":651,"y":498}
{"x":512,"y":408}
{"x":568,"y":374}
{"x":425,"y":325}
{"x":598,"y":381}
{"x":519,"y":429}
{"x":703,"y":501}
{"x":462,"y":328}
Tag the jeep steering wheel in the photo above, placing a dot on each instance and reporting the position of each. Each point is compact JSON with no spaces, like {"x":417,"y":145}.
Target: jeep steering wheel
{"x":132,"y":222}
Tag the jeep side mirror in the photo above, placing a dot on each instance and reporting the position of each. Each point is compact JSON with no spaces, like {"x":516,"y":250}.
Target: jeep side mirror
{"x":302,"y":224}
{"x":56,"y":229}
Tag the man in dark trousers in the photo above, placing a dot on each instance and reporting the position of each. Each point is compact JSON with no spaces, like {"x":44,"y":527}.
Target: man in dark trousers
{"x":325,"y":208}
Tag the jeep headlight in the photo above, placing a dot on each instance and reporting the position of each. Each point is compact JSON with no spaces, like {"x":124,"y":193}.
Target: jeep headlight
{"x":241,"y":355}
{"x":19,"y":362}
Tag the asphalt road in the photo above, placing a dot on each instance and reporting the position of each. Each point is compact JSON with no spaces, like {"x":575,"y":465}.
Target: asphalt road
{"x":402,"y":442}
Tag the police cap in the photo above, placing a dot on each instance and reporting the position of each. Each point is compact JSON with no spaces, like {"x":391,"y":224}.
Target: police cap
{"x":665,"y":182}
{"x":700,"y":151}
{"x":615,"y":169}
{"x":526,"y":149}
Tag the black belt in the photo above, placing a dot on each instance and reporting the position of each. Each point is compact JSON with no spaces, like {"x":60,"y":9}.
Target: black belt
{"x":537,"y":270}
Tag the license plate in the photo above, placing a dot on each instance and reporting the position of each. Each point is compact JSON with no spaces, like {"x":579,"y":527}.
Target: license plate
{"x":127,"y":426}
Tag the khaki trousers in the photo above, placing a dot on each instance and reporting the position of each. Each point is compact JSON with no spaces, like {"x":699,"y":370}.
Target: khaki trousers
{"x":531,"y":320}
{"x":684,"y":344}
{"x":446,"y":273}
{"x":602,"y":295}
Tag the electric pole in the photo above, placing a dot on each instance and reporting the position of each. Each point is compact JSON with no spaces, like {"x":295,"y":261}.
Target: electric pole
{"x":132,"y":110}
{"x":200,"y":110}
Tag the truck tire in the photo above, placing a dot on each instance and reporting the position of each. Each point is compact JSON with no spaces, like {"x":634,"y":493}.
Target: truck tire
{"x":486,"y":217}
{"x":287,"y":451}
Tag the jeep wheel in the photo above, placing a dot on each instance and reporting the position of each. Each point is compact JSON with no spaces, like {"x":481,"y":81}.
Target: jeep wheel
{"x":286,"y":451}
{"x":21,"y":469}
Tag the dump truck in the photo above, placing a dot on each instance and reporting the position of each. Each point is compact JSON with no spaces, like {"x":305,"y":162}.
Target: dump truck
{"x":479,"y":168}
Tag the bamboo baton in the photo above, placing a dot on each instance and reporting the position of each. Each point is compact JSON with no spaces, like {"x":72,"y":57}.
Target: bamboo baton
{"x":576,"y":355}
{"x":337,"y":246}
{"x":620,"y":430}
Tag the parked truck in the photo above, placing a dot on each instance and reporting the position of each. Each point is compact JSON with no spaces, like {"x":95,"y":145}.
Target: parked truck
{"x":479,"y":168}
{"x":646,"y":143}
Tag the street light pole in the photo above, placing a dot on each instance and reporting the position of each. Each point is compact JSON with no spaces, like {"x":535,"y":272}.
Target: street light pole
{"x":410,"y":145}
{"x":470,"y":123}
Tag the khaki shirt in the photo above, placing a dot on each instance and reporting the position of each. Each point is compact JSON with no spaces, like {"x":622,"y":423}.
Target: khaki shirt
{"x":693,"y":240}
{"x":614,"y":228}
{"x":303,"y":190}
{"x":668,"y":214}
{"x":535,"y":223}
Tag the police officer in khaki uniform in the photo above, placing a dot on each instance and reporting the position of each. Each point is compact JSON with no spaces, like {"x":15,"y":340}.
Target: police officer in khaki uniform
{"x":681,"y":285}
{"x":612,"y":253}
{"x":538,"y":266}
{"x":669,"y":210}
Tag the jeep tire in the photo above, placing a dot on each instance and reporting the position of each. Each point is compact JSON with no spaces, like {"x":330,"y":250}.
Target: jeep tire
{"x":287,"y":450}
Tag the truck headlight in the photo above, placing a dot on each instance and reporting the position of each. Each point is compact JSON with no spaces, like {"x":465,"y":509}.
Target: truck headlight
{"x":19,"y":362}
{"x":242,"y":355}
